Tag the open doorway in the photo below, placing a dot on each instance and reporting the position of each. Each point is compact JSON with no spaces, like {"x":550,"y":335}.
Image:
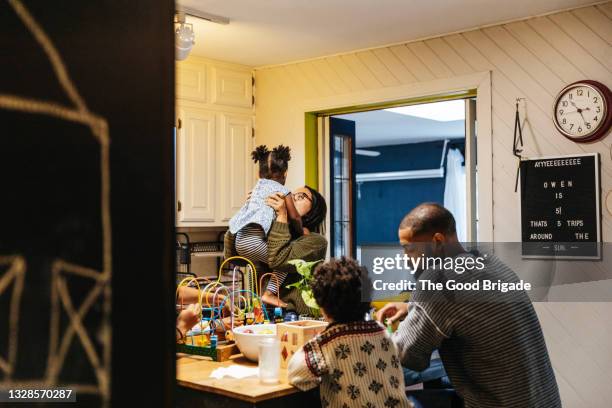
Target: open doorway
{"x":385,"y":162}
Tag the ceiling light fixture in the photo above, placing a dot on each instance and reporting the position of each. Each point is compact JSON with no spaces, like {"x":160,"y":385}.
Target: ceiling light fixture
{"x":184,"y":36}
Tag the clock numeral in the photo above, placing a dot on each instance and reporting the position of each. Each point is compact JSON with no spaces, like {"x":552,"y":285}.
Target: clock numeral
{"x":595,"y":119}
{"x":588,"y":125}
{"x":564,"y":104}
{"x":571,"y":96}
{"x":564,"y":121}
{"x":560,"y":111}
{"x":571,"y":126}
{"x":595,"y":99}
{"x":579,"y":92}
{"x":598,"y":109}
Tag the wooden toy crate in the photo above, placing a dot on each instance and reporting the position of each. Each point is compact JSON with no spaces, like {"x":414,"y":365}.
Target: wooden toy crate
{"x":293,"y":335}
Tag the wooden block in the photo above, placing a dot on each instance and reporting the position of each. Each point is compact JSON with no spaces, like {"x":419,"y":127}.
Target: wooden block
{"x":225,"y":351}
{"x":293,"y":335}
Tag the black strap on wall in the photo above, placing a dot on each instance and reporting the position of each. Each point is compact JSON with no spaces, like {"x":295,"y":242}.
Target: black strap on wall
{"x":517,"y":145}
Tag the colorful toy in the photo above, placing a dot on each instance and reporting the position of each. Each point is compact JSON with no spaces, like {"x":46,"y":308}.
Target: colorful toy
{"x":278,"y":314}
{"x":214,"y":298}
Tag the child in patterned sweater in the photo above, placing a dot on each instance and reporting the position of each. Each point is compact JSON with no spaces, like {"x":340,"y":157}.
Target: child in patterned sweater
{"x":353,"y":360}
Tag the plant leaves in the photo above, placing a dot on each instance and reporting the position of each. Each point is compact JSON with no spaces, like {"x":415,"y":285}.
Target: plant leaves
{"x":295,"y":284}
{"x":309,"y":299}
{"x":304,"y":268}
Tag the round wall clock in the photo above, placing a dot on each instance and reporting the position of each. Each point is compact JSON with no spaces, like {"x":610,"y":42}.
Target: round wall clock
{"x":582,"y":111}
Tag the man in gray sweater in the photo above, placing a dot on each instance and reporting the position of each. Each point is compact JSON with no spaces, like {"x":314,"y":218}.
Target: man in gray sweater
{"x":490,"y":341}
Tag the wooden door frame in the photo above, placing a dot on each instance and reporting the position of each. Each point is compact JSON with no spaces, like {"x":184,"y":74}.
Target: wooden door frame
{"x":331,"y":204}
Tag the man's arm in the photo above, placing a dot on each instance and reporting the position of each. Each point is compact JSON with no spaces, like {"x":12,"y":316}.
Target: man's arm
{"x":417,"y":337}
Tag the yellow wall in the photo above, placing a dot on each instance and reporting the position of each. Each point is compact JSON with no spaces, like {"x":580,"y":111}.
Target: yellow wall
{"x":533,"y":59}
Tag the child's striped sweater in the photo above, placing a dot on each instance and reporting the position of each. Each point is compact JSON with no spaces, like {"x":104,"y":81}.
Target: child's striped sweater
{"x":356,"y":365}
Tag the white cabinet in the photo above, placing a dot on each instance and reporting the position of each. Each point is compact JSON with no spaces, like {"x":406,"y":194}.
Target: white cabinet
{"x":197,"y":162}
{"x":214,"y":170}
{"x":232,"y":87}
{"x":191,"y":82}
{"x":221,"y":85}
{"x":237,"y":163}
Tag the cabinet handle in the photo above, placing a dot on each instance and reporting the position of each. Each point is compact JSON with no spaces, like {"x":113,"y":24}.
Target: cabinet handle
{"x":179,"y":124}
{"x":178,"y":206}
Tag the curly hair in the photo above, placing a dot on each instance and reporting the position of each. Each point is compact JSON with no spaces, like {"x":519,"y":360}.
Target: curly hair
{"x":337,"y":286}
{"x":260,"y":154}
{"x":272,"y":164}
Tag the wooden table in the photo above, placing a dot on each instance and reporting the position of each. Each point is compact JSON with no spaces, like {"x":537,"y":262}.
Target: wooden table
{"x":196,"y":388}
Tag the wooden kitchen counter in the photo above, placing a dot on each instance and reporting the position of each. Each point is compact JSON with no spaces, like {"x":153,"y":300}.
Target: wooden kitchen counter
{"x":195,"y":387}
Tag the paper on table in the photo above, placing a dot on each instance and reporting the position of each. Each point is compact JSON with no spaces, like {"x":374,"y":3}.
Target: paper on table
{"x":234,"y":371}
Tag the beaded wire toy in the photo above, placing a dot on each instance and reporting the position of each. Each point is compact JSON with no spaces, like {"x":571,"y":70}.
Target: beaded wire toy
{"x":214,"y":297}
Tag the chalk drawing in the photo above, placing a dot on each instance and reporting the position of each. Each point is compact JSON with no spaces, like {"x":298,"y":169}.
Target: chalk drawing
{"x":61,"y":269}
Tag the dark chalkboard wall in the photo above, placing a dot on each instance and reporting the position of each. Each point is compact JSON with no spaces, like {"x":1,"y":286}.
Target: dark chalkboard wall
{"x":560,"y":207}
{"x":86,"y":220}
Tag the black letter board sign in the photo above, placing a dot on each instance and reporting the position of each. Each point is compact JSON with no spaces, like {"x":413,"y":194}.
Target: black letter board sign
{"x":560,"y":209}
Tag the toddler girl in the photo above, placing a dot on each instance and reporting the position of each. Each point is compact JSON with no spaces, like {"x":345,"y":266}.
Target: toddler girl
{"x":252,"y":222}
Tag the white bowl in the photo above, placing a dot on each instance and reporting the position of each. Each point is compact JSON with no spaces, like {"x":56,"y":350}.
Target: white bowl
{"x":248,"y":343}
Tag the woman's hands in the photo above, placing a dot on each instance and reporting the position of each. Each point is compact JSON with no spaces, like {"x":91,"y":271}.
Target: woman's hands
{"x":277,"y":202}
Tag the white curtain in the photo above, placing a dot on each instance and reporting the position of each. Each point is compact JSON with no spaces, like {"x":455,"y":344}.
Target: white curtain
{"x":455,"y":199}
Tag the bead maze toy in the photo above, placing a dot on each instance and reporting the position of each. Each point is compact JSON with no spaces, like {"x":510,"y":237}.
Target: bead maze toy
{"x":243,"y":304}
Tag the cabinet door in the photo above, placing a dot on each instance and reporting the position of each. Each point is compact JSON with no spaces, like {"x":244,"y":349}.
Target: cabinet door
{"x":237,"y":178}
{"x":232,"y":87}
{"x":196,"y":166}
{"x":191,"y":81}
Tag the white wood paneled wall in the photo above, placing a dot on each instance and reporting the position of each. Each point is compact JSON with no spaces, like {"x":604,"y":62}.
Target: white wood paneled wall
{"x":533,"y":59}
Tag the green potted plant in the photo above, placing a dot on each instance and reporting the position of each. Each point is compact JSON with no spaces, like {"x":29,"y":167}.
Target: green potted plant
{"x":305,"y":270}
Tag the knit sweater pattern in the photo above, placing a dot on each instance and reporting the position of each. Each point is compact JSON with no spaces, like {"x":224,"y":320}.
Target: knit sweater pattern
{"x":355,"y":364}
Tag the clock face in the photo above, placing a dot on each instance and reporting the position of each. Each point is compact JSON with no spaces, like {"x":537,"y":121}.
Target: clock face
{"x":580,"y":111}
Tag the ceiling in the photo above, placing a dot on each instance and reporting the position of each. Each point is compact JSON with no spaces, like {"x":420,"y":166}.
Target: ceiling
{"x":265,"y":32}
{"x":383,"y":128}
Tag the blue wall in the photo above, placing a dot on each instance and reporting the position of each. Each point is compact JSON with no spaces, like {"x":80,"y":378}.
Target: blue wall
{"x":383,"y":204}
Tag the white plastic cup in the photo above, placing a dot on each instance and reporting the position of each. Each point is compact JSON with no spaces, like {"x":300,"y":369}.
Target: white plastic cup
{"x":269,"y":360}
